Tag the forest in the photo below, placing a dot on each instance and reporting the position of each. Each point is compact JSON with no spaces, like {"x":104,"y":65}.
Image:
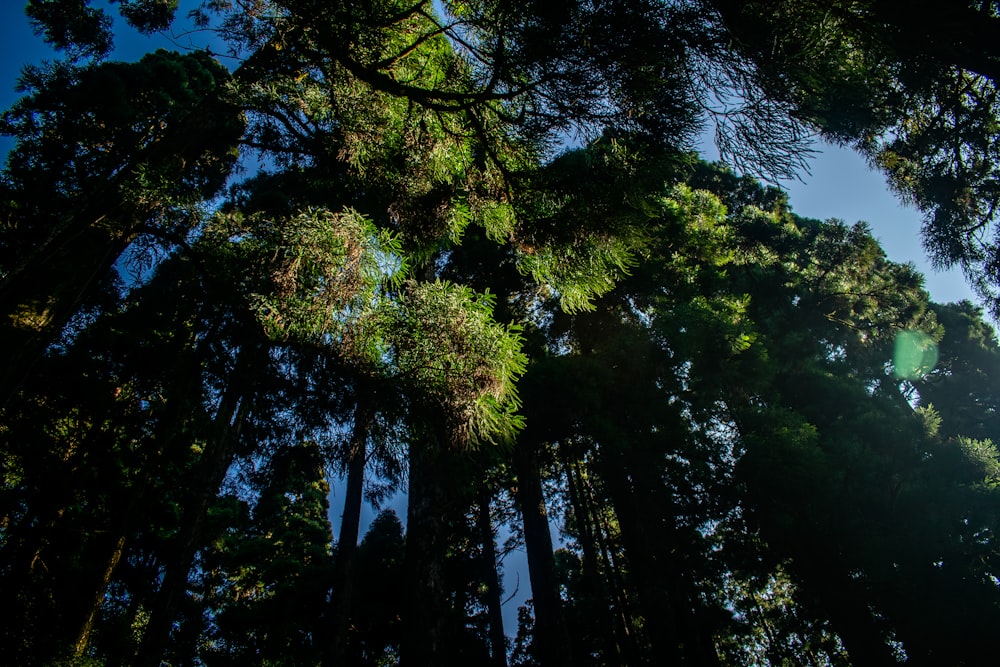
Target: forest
{"x":465,"y":253}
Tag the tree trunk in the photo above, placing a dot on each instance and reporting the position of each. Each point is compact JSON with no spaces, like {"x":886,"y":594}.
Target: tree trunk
{"x":677,"y":629}
{"x":425,"y":600}
{"x":494,"y":605}
{"x":551,"y":633}
{"x":617,"y":638}
{"x":83,"y":637}
{"x":347,"y":542}
{"x":662,"y":632}
{"x":207,"y":479}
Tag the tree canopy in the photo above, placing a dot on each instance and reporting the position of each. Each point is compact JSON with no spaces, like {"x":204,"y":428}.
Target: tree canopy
{"x":464,"y":253}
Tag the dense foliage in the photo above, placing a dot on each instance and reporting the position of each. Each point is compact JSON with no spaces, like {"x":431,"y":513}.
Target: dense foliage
{"x":462,"y":252}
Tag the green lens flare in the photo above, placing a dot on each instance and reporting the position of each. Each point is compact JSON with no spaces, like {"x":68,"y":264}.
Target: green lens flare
{"x":915,"y":354}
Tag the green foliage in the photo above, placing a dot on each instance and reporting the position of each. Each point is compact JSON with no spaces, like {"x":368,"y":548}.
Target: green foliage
{"x":270,"y":573}
{"x":460,"y":361}
{"x":105,"y":155}
{"x":962,"y":384}
{"x":97,"y":122}
{"x":149,"y":16}
{"x":83,"y":31}
{"x":881,"y":77}
{"x":479,"y":225}
{"x":580,"y":272}
{"x":581,"y":236}
{"x":982,"y":457}
{"x":328,"y":273}
{"x":72,"y":26}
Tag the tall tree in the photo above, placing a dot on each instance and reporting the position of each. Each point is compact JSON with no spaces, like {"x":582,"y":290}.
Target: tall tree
{"x":914,"y":90}
{"x":462,"y":366}
{"x":274,"y":573}
{"x":105,"y":154}
{"x":456,"y":194}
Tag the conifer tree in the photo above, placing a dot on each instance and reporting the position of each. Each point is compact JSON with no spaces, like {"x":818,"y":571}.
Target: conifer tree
{"x":464,"y":248}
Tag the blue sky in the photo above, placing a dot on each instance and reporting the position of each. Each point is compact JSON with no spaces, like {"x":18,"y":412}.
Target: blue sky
{"x":842,"y":186}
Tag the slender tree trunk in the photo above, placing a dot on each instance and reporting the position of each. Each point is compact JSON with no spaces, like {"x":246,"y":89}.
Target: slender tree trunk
{"x":425,"y":600}
{"x":216,"y":459}
{"x":498,"y":640}
{"x":626,"y":645}
{"x":551,"y":633}
{"x":111,"y":564}
{"x":662,"y":632}
{"x":677,"y":630}
{"x":584,"y":524}
{"x":83,"y":636}
{"x":347,"y":542}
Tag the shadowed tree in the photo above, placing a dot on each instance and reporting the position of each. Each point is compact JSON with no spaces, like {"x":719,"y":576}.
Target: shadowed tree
{"x":272,"y":577}
{"x":104,"y":155}
{"x":712,"y":404}
{"x":460,"y":366}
